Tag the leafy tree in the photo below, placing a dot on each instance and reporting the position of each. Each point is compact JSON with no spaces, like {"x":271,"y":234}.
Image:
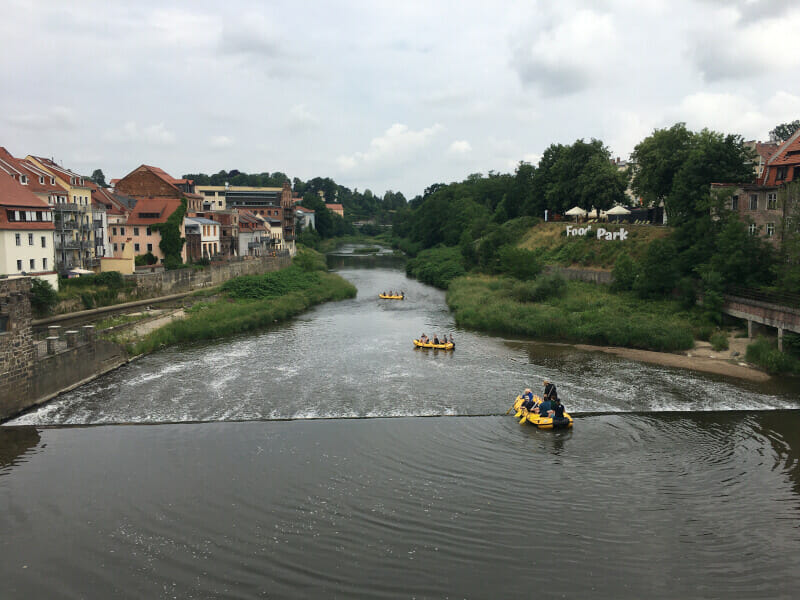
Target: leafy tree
{"x":624,"y":273}
{"x":519,"y":263}
{"x":99,"y":178}
{"x":658,"y":158}
{"x":740,"y":257}
{"x":43,"y":297}
{"x":658,"y":273}
{"x":789,"y":264}
{"x":784,"y":131}
{"x":171,"y":243}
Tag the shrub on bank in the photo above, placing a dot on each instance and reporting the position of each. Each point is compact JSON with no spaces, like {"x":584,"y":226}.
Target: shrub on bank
{"x":255,"y":305}
{"x":719,"y":341}
{"x":765,"y":354}
{"x":586,"y":313}
{"x":437,"y":266}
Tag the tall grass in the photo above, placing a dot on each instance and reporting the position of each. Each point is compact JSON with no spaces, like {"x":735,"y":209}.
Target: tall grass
{"x":585,"y":313}
{"x":765,"y":353}
{"x":251,"y":302}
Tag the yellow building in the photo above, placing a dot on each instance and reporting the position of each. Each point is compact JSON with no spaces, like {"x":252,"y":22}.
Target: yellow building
{"x":74,"y":220}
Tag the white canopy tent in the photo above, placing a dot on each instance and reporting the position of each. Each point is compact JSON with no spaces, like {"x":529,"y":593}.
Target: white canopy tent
{"x":618,"y":210}
{"x":576,"y":211}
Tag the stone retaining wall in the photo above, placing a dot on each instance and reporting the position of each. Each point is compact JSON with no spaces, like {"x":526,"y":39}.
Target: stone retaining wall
{"x":186,"y":280}
{"x":590,"y":275}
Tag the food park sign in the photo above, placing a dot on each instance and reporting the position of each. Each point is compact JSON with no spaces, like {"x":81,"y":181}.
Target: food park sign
{"x":602,"y":234}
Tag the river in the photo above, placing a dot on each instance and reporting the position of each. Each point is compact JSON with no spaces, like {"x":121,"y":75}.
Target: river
{"x":328,"y":458}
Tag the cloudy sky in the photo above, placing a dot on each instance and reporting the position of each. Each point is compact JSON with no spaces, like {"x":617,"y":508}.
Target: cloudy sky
{"x":382,"y":95}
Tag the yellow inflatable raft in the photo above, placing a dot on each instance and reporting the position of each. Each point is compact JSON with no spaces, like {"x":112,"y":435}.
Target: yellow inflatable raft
{"x":447,"y":346}
{"x":387,"y":297}
{"x":525,"y":416}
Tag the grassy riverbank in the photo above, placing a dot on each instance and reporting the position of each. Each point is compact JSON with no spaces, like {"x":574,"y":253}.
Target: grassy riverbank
{"x":584,"y":313}
{"x":248,"y":303}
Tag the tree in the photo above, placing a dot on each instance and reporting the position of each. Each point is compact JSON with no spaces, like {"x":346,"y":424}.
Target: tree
{"x":658,"y":158}
{"x":99,"y":178}
{"x":789,"y":265}
{"x":43,"y":297}
{"x":784,"y":131}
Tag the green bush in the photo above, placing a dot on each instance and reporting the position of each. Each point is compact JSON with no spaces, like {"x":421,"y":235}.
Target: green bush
{"x":43,"y":297}
{"x":719,"y":341}
{"x":518,"y":262}
{"x":765,"y":353}
{"x":624,"y":274}
{"x":437,"y":266}
{"x":309,"y":260}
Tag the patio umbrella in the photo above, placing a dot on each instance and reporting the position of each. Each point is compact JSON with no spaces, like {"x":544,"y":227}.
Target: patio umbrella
{"x":618,"y":210}
{"x":576,"y":211}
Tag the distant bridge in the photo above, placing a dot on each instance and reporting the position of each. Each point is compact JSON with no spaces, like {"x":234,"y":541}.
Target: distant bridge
{"x":781,"y":311}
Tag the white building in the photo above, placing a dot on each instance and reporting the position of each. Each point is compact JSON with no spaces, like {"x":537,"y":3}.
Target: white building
{"x":209,"y":234}
{"x":26,"y":233}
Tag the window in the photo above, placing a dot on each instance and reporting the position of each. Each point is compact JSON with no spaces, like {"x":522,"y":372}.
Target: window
{"x":113,"y":231}
{"x":149,"y":247}
{"x":734,"y":202}
{"x":18,"y":238}
{"x":122,"y":231}
{"x":770,"y":229}
{"x":135,"y":231}
{"x":780,"y":173}
{"x":19,"y":265}
{"x":44,"y":264}
{"x":149,"y":231}
{"x":44,"y":242}
{"x":115,"y":247}
{"x":752,"y":229}
{"x":30,"y":239}
{"x":23,"y":180}
{"x":753,"y":201}
{"x":41,"y":179}
{"x":33,"y":264}
{"x":136,"y":247}
{"x":772,"y":201}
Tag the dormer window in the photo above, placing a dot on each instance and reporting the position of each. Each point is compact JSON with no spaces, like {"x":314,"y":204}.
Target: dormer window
{"x":41,"y":179}
{"x":23,"y":180}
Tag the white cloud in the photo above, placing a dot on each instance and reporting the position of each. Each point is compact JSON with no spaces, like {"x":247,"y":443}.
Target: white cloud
{"x":300,"y":117}
{"x":397,"y":144}
{"x":460,"y":147}
{"x":219,"y":142}
{"x":567,"y":54}
{"x":156,"y":135}
{"x":55,"y":117}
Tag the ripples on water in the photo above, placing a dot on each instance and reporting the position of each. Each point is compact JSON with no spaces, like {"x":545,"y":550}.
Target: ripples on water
{"x":668,"y":506}
{"x":672,"y":495}
{"x":355,"y":359}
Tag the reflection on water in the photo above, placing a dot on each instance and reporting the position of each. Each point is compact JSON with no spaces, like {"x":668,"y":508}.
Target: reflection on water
{"x":690,"y":505}
{"x":15,"y":443}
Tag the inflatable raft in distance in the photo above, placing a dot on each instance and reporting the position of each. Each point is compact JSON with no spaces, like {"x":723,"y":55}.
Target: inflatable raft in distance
{"x":447,"y":346}
{"x":536,"y":420}
{"x":387,"y":297}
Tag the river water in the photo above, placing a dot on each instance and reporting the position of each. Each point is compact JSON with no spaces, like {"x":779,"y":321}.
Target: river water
{"x":328,"y":458}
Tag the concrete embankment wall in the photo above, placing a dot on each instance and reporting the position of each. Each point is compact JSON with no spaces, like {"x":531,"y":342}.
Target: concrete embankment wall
{"x":185,"y":280}
{"x":590,"y":275}
{"x":33,"y":372}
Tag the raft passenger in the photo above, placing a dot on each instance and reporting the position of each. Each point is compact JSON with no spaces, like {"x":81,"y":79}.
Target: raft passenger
{"x":527,"y":399}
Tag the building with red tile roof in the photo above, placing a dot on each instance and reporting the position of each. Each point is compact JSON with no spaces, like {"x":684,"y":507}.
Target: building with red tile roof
{"x":26,"y":232}
{"x":137,"y":227}
{"x":336,"y":208}
{"x":147,"y":181}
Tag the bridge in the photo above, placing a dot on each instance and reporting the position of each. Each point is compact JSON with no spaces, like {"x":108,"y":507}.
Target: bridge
{"x":781,"y":311}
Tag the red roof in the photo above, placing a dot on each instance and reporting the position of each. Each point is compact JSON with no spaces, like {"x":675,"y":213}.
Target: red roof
{"x":334,"y":207}
{"x":17,"y":167}
{"x":787,"y":158}
{"x":14,"y":196}
{"x":61,"y":172}
{"x":153,"y":210}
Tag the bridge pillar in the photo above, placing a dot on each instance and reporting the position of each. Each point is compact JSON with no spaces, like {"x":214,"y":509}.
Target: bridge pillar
{"x":749,"y":329}
{"x":780,"y":339}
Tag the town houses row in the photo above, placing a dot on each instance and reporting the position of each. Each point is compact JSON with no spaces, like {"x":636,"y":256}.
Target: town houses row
{"x":55,"y":222}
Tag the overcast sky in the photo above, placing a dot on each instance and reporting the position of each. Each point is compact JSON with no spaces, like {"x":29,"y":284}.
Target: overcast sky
{"x":382,"y":95}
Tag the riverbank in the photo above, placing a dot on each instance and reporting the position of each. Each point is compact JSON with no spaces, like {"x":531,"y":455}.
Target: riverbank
{"x":243,"y":304}
{"x":590,"y":317}
{"x":691,"y":360}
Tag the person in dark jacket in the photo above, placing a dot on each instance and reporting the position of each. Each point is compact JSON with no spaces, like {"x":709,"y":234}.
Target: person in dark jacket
{"x":559,"y":420}
{"x":550,"y":392}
